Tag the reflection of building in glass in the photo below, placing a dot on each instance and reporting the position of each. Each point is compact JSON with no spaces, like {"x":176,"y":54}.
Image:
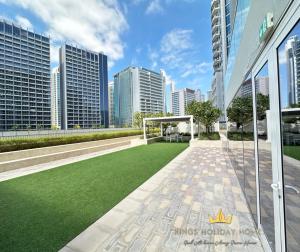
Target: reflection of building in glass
{"x":262,"y":85}
{"x":246,"y":88}
{"x":181,"y":99}
{"x":83,"y":88}
{"x":292,"y":49}
{"x":24,"y":79}
{"x":111,"y":102}
{"x":55,"y":98}
{"x":137,"y":90}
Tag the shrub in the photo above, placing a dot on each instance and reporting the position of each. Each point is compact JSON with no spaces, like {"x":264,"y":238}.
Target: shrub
{"x":209,"y":136}
{"x":30,"y":143}
{"x":237,"y":136}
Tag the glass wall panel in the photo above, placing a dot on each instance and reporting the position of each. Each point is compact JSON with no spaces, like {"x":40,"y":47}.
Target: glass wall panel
{"x":264,"y":153}
{"x":241,"y":142}
{"x":289,"y":76}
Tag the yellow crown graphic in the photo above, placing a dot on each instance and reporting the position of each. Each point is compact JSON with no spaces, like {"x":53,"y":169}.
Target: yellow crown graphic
{"x":220,"y":218}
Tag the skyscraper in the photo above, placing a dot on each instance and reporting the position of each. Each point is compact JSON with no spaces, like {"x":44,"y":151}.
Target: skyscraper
{"x":84,"y":94}
{"x":55,"y":98}
{"x":221,"y":30}
{"x":199,"y":96}
{"x":24,"y":79}
{"x":180,"y":100}
{"x":137,"y":90}
{"x":111,"y":102}
{"x":292,"y":49}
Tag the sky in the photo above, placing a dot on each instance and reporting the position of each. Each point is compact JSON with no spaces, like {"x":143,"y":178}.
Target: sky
{"x":173,"y":35}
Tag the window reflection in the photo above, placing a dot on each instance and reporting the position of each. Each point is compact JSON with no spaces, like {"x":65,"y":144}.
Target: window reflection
{"x":241,"y":142}
{"x":289,"y":75}
{"x":264,"y":153}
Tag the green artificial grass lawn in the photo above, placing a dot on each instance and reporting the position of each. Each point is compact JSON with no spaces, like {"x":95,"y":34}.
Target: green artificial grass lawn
{"x":44,"y":211}
{"x":292,"y":151}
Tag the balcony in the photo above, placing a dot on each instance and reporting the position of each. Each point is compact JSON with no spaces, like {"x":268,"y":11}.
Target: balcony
{"x":216,"y":36}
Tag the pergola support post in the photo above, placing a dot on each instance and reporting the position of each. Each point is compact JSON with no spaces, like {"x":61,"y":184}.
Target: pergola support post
{"x":144,"y":128}
{"x":161,"y":129}
{"x":192,"y":127}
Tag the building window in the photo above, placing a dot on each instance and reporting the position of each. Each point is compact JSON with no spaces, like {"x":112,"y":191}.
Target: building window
{"x":288,"y":55}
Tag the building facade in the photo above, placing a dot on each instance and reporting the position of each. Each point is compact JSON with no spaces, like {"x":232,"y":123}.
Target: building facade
{"x":137,"y":90}
{"x":221,"y":34}
{"x":180,"y":100}
{"x":262,"y":67}
{"x":84,"y":88}
{"x":24,"y":79}
{"x":55,"y":99}
{"x":111,"y":103}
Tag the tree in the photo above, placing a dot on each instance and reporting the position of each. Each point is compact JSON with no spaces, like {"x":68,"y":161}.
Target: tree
{"x":138,"y":119}
{"x":240,"y":111}
{"x":203,"y":112}
{"x":262,"y":104}
{"x":76,"y":126}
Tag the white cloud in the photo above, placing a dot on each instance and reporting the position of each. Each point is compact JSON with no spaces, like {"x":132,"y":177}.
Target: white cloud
{"x":154,"y":7}
{"x":200,"y":68}
{"x":176,"y":40}
{"x":24,"y":22}
{"x":153,"y":57}
{"x":180,"y":55}
{"x":92,"y":24}
{"x":54,"y":52}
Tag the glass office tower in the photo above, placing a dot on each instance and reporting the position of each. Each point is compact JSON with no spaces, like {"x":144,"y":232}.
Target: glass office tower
{"x":24,"y":79}
{"x":84,"y":87}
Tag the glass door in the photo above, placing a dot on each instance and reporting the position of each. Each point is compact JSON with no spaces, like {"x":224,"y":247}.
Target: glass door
{"x":264,"y":153}
{"x":288,"y":55}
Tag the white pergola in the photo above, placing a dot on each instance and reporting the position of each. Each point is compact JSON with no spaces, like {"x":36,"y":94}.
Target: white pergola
{"x":169,"y":119}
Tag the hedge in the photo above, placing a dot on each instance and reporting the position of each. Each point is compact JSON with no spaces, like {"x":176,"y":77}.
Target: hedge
{"x":237,"y":136}
{"x":30,"y":143}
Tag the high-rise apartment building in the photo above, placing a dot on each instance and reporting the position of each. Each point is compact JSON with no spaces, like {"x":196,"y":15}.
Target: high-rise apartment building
{"x":111,"y":103}
{"x":55,"y":98}
{"x":292,"y":50}
{"x":221,"y":30}
{"x":137,"y":90}
{"x":24,"y":79}
{"x":180,"y":100}
{"x":84,"y":84}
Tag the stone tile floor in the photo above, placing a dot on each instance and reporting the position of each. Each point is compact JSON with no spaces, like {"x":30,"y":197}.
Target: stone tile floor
{"x":170,"y":211}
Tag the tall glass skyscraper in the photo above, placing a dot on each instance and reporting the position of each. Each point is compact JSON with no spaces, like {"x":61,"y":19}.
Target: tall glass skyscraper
{"x":137,"y":90}
{"x":84,"y":88}
{"x":24,"y":79}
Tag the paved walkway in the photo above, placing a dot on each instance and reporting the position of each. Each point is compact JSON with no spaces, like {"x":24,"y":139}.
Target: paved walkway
{"x":170,"y":211}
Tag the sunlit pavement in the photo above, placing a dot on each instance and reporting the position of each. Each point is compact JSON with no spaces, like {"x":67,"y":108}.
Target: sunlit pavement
{"x":170,"y":211}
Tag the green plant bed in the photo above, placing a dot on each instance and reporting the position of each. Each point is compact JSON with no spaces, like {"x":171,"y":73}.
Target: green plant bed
{"x":46,"y":210}
{"x":209,"y":136}
{"x":292,"y":151}
{"x":30,"y":143}
{"x":237,"y":136}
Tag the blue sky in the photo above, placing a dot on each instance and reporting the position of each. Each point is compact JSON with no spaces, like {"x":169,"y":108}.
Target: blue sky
{"x":173,"y":35}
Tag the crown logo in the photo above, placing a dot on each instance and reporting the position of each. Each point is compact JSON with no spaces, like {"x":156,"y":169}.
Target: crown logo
{"x":220,"y":218}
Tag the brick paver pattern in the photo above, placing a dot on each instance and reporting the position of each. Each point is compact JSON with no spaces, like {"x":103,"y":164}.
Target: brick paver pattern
{"x":170,"y":211}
